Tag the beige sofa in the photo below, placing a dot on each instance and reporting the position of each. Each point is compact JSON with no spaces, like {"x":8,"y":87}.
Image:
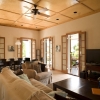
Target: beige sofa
{"x":33,"y":70}
{"x":14,"y":88}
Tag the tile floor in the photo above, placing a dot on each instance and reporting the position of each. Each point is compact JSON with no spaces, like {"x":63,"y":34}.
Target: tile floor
{"x":58,"y":76}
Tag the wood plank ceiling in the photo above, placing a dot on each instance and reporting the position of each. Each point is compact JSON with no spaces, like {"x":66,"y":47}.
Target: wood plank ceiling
{"x":17,"y":13}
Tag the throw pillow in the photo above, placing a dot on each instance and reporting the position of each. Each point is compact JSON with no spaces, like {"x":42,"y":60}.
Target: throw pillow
{"x":61,"y":93}
{"x":25,"y":77}
{"x":37,"y":68}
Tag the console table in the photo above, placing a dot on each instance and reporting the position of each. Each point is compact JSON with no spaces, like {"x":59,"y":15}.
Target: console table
{"x":92,"y":68}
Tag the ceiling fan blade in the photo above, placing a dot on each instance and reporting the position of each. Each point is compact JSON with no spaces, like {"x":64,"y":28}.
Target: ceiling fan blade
{"x":43,"y":10}
{"x":43,"y":15}
{"x":26,"y":7}
{"x":27,"y":2}
{"x":28,"y":13}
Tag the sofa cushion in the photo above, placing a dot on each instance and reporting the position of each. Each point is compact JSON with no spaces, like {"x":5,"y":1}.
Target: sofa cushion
{"x":43,"y":75}
{"x":24,"y":76}
{"x":40,"y":85}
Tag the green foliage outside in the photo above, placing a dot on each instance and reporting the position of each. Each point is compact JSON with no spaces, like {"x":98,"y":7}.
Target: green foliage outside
{"x":24,"y":50}
{"x":75,"y":53}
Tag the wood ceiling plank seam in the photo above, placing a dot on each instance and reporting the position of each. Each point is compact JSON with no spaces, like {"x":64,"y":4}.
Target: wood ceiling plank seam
{"x":6,"y":19}
{"x":24,"y":23}
{"x":23,"y":27}
{"x":18,"y":18}
{"x":38,"y":22}
{"x":32,"y":17}
{"x":68,"y":7}
{"x":86,"y":6}
{"x":19,"y":27}
{"x":36,"y":18}
{"x":50,"y":21}
{"x":10,"y":11}
{"x":66,"y":16}
{"x":39,"y":25}
{"x":35,"y":23}
{"x":53,"y":15}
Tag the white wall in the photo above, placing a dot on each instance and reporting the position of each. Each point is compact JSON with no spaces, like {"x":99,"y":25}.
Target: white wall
{"x":11,"y":34}
{"x":90,"y":24}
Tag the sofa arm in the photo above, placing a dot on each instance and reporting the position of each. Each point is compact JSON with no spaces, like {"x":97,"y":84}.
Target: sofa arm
{"x":30,"y":73}
{"x":43,"y":75}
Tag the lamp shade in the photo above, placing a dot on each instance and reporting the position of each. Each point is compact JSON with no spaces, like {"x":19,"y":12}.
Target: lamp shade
{"x":17,"y":42}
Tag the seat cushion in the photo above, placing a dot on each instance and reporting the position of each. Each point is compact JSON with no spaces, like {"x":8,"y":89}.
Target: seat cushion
{"x":40,"y":85}
{"x":43,"y":75}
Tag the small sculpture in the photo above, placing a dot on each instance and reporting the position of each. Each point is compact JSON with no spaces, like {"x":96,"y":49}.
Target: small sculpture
{"x":99,"y":82}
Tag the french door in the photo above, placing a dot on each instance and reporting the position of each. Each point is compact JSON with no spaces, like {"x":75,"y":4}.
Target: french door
{"x":73,"y":52}
{"x":27,"y":48}
{"x":47,"y":52}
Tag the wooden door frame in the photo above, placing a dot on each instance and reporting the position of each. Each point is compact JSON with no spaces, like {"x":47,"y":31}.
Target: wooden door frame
{"x":50,"y":38}
{"x":21,"y":38}
{"x":76,"y":32}
{"x":4,"y":45}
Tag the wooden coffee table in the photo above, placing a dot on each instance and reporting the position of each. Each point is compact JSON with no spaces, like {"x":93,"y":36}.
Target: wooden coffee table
{"x":78,"y":88}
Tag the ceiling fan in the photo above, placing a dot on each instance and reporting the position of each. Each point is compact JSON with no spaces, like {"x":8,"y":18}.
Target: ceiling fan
{"x":36,"y":11}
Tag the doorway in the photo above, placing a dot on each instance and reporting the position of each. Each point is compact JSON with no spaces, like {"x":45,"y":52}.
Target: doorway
{"x":73,"y":54}
{"x":26,"y":48}
{"x":48,"y":52}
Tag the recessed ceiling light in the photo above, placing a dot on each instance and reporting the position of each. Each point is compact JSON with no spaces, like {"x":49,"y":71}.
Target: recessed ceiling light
{"x":57,"y":19}
{"x":75,"y":12}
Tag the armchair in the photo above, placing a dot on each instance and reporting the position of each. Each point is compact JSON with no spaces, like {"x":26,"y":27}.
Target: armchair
{"x":33,"y":70}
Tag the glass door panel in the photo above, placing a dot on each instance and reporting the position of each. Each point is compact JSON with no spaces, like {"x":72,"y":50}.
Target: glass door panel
{"x":74,"y":54}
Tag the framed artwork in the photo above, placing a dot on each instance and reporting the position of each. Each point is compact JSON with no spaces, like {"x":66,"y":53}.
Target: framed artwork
{"x":58,"y":48}
{"x":11,"y":48}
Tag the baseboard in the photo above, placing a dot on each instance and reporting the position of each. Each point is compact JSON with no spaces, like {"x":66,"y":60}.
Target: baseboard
{"x":60,"y":71}
{"x":57,"y":70}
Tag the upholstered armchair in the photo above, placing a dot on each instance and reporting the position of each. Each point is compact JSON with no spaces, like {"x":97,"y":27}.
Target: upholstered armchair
{"x":33,"y":70}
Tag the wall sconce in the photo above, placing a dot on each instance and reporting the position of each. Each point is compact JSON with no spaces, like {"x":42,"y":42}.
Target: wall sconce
{"x":17,"y":42}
